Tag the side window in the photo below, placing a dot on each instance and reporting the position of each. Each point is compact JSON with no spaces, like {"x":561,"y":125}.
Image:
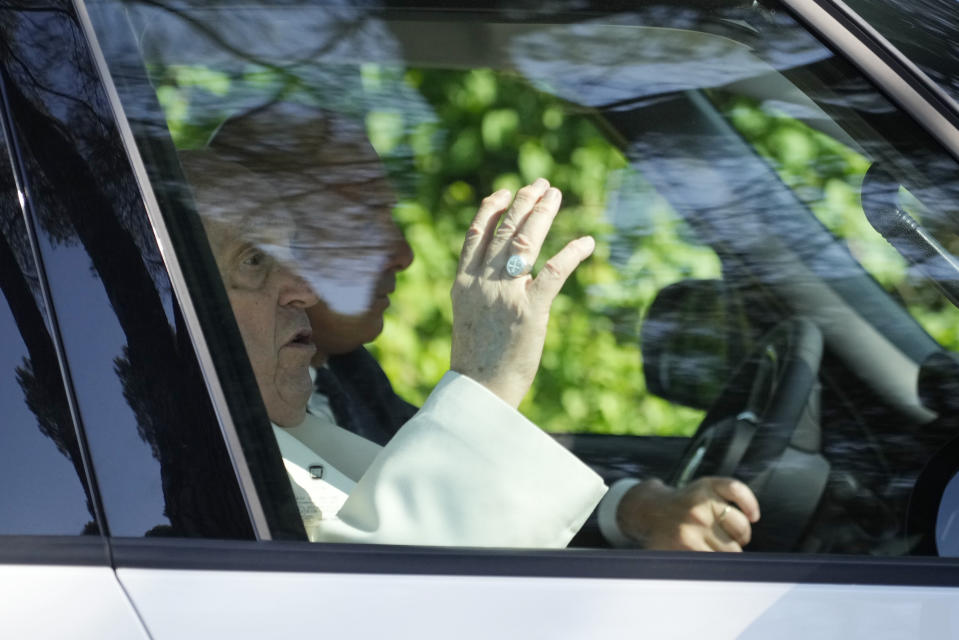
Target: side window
{"x":156,"y":448}
{"x":742,"y":315}
{"x":40,"y":463}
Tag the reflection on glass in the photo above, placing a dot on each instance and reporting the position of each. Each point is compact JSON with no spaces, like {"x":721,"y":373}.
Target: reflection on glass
{"x":330,"y":187}
{"x":926,"y":31}
{"x":155,"y":446}
{"x":40,"y":465}
{"x":223,"y":100}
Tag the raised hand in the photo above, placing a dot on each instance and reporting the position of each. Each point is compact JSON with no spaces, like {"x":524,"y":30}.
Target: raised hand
{"x":500,"y":310}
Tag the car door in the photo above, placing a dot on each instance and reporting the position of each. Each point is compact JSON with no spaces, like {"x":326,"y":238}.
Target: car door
{"x":193,"y":493}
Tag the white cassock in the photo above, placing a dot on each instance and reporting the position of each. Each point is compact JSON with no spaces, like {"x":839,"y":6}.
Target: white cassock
{"x":466,"y":470}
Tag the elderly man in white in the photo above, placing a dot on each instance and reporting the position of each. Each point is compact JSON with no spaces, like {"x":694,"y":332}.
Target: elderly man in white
{"x":468,"y":469}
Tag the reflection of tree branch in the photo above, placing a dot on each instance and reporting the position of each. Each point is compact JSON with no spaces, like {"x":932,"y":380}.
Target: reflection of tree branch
{"x":80,"y":179}
{"x":23,"y":306}
{"x":39,"y":375}
{"x":9,"y":53}
{"x":33,"y":8}
{"x":42,"y":87}
{"x":152,"y":349}
{"x":217,"y":39}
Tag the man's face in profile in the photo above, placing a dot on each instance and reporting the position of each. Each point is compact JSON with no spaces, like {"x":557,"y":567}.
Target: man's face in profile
{"x":269,"y":303}
{"x":359,"y":206}
{"x":250,"y":232}
{"x":346,"y":244}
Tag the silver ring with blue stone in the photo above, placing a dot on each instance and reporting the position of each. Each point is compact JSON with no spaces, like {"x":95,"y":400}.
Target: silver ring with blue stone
{"x":516,"y":266}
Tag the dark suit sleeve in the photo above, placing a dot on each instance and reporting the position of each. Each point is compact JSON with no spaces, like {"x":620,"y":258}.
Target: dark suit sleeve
{"x":365,"y":402}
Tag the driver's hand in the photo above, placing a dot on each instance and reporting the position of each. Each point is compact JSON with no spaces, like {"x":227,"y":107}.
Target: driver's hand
{"x":708,"y":514}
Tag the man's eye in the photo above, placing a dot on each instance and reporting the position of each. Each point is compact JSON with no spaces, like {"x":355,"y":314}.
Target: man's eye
{"x":251,"y":270}
{"x":254,"y":259}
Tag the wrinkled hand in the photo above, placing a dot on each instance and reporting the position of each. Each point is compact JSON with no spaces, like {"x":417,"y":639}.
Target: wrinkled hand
{"x":709,"y":514}
{"x":499,"y":322}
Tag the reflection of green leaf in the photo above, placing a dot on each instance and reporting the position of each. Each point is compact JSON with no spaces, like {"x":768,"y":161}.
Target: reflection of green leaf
{"x":201,"y":77}
{"x":174,"y":104}
{"x":552,"y":117}
{"x":385,"y":129}
{"x":534,"y":161}
{"x":796,"y":148}
{"x":176,"y":87}
{"x":479,"y":89}
{"x":498,"y":126}
{"x":460,"y":191}
{"x":465,"y":154}
{"x":510,"y":181}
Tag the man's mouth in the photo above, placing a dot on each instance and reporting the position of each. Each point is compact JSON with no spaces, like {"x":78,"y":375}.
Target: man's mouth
{"x":386,"y":286}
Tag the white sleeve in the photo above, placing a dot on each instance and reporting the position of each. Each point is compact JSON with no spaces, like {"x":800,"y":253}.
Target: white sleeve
{"x":606,"y":514}
{"x":468,"y":470}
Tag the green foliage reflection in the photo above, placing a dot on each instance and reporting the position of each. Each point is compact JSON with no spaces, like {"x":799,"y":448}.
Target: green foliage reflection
{"x":495,"y":131}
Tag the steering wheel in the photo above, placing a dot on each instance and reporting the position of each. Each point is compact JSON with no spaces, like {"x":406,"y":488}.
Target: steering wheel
{"x":764,"y":430}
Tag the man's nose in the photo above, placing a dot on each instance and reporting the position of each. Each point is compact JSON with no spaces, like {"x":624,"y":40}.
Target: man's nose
{"x":401,"y":253}
{"x":294,"y":290}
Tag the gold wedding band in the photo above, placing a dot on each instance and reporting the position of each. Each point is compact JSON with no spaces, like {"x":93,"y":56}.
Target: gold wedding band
{"x":723,"y":513}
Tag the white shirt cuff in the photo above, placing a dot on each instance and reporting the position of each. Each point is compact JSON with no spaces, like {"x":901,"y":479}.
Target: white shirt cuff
{"x":606,"y":513}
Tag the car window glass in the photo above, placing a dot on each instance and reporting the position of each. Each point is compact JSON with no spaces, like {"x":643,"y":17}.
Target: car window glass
{"x":154,"y":442}
{"x":830,"y":175}
{"x":40,"y":462}
{"x":720,"y":157}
